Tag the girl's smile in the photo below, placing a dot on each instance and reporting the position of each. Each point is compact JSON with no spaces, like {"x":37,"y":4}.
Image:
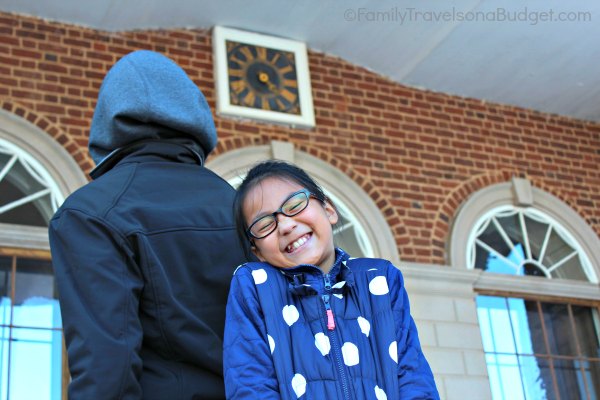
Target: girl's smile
{"x":298,"y":243}
{"x":305,"y":238}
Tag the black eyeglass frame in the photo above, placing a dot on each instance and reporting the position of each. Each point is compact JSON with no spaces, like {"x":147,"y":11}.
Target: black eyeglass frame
{"x":273,"y":215}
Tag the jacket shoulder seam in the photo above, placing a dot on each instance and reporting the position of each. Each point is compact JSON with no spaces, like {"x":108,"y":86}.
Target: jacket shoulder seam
{"x":121,"y":193}
{"x":99,"y":219}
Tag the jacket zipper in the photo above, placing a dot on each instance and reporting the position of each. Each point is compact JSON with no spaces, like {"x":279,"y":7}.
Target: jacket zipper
{"x":333,"y":336}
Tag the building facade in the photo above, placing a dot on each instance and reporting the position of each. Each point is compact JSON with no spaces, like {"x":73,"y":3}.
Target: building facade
{"x":491,"y":211}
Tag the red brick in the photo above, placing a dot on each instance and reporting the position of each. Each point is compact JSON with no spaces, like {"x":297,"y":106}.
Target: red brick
{"x":418,"y":154}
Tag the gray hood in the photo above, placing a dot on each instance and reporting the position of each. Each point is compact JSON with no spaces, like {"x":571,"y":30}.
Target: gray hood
{"x":146,"y":96}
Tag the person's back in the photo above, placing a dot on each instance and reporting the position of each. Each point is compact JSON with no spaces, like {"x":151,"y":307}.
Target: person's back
{"x":144,"y":254}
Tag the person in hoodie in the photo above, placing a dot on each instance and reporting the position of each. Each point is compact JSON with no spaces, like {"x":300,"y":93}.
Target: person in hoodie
{"x":143,"y":254}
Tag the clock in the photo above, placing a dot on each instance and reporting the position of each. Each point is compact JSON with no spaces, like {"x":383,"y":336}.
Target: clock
{"x":262,"y":77}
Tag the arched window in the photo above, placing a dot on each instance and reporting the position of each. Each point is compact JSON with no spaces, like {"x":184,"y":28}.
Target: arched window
{"x":36,"y":174}
{"x":538,"y":300}
{"x":526,"y":241}
{"x":28,"y":195}
{"x":362,"y":230}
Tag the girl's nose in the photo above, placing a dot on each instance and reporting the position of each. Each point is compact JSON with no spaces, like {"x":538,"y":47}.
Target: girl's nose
{"x":285,"y":224}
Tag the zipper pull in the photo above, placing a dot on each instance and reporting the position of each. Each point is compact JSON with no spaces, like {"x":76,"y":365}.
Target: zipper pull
{"x":327,"y":282}
{"x":330,"y":320}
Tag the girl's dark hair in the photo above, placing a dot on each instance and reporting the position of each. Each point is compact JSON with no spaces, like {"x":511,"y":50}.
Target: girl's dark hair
{"x":271,"y":169}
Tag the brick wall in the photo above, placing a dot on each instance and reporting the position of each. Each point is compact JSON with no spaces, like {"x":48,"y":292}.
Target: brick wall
{"x":418,"y":154}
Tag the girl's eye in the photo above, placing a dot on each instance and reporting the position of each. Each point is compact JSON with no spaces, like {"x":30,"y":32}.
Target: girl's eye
{"x":294,"y":205}
{"x":264,"y":225}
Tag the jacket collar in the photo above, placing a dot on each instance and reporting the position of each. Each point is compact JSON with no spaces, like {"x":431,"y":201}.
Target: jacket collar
{"x":183,"y":150}
{"x":301,"y":276}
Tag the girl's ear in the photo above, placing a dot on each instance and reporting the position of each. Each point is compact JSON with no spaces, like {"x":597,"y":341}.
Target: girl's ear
{"x":332,"y":214}
{"x":257,"y":252}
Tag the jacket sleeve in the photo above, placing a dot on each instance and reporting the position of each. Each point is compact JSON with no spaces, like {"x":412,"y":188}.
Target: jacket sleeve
{"x":248,"y":366}
{"x":415,"y":379}
{"x":99,"y":287}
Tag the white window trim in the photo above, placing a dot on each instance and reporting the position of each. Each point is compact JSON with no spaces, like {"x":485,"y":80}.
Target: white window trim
{"x":47,"y":151}
{"x":22,"y":236}
{"x":519,"y":192}
{"x":236,"y":163}
{"x":63,"y":169}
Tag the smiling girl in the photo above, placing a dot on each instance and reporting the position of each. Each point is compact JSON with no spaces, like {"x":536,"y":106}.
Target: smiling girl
{"x":309,"y":321}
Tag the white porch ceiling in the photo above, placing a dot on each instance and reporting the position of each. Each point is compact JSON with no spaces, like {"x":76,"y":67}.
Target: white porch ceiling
{"x":515,"y":56}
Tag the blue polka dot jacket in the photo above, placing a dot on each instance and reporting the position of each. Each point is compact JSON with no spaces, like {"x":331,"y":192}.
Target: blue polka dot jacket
{"x":297,"y":333}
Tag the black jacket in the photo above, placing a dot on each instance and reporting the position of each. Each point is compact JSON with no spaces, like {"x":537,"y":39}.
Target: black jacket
{"x":143,"y":255}
{"x":143,"y":258}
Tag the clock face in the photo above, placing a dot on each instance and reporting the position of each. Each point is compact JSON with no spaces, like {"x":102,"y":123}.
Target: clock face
{"x":262,"y":78}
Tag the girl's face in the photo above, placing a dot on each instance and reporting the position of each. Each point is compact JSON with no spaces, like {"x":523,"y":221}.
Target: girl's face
{"x":305,"y":238}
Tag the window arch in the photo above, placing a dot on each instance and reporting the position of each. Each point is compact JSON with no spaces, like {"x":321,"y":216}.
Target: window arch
{"x":365,"y":226}
{"x":36,"y":175}
{"x":526,"y":241}
{"x":28,"y":195}
{"x":538,"y":312}
{"x":518,"y":197}
{"x":43,"y":159}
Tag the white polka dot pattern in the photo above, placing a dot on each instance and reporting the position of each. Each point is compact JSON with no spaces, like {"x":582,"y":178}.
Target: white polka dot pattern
{"x":271,"y":343}
{"x":365,"y":326}
{"x":394,"y":351}
{"x":260,"y":276}
{"x":350,"y":354}
{"x":378,"y":286}
{"x":339,"y":285}
{"x":322,"y":343}
{"x":299,"y":385}
{"x":380,"y":394}
{"x":290,"y":314}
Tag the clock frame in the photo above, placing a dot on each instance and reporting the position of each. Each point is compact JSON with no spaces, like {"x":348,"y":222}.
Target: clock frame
{"x":262,"y":77}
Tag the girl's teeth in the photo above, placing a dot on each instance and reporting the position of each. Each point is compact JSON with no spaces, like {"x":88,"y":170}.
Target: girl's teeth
{"x":297,"y":243}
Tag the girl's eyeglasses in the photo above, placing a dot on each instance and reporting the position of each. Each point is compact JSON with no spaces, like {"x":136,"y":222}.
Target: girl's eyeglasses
{"x":265,"y":225}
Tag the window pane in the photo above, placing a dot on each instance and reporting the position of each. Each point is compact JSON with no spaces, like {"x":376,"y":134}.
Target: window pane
{"x":533,"y":269}
{"x":536,"y":232}
{"x":502,"y":369}
{"x":35,"y":364}
{"x":23,"y":180}
{"x":569,"y":379}
{"x":571,"y":269}
{"x":559,"y":330}
{"x":35,"y":213}
{"x":5,"y":289}
{"x":512,"y":227}
{"x":556,"y":250}
{"x":494,"y":263}
{"x":494,"y":320}
{"x":537,"y":378}
{"x":348,"y":232}
{"x":592,"y":376}
{"x":492,"y":238}
{"x":524,"y":335}
{"x":587,"y":328}
{"x":35,"y":296}
{"x":346,"y":237}
{"x":481,"y":257}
